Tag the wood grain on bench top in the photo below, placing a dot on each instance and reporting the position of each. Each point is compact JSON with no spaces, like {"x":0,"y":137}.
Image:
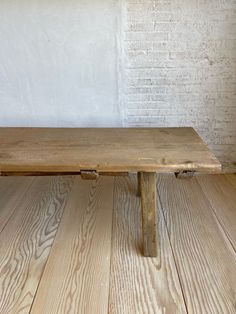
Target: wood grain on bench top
{"x":104,"y":149}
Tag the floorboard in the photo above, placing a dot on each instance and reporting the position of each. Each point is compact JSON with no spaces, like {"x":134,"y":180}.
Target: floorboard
{"x":138,"y":284}
{"x":26,"y":240}
{"x":12,"y":190}
{"x":205,"y":261}
{"x":76,"y":278}
{"x":222,"y":196}
{"x":64,"y":250}
{"x":231,"y":178}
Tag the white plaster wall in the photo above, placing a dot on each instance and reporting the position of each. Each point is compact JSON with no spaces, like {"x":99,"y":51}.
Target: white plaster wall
{"x":58,"y":63}
{"x":121,"y":62}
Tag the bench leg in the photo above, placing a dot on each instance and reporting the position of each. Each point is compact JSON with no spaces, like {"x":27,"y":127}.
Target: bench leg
{"x":139,"y":184}
{"x":149,"y":213}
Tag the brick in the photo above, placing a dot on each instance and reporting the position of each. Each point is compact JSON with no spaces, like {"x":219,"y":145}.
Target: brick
{"x":180,"y":68}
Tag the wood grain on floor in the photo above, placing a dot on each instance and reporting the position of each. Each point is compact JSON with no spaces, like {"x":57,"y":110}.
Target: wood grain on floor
{"x":78,"y":280}
{"x":222,"y":196}
{"x":205,"y":262}
{"x":138,"y":284}
{"x":26,"y":240}
{"x":12,"y":190}
{"x":231,"y":178}
{"x":73,"y":246}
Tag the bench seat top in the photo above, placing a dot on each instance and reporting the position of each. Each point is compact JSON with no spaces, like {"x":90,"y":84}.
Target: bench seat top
{"x":104,"y":150}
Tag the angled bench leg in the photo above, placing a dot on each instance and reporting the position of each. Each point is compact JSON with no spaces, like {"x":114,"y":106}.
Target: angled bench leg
{"x":149,"y":213}
{"x":139,"y":184}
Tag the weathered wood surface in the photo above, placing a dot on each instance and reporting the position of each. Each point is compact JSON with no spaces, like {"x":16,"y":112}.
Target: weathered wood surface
{"x":137,"y":284}
{"x":76,"y":278}
{"x":229,"y":167}
{"x":149,"y":213}
{"x":43,"y":174}
{"x":109,"y":150}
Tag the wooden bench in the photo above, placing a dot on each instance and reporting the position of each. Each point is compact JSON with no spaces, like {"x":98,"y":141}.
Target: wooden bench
{"x":91,"y":152}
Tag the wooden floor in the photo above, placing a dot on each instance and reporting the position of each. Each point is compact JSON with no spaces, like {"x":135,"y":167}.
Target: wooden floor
{"x":72,"y":246}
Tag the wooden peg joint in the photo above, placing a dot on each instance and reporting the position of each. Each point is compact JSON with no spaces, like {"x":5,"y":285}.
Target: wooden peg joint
{"x":89,"y":174}
{"x":185,"y":174}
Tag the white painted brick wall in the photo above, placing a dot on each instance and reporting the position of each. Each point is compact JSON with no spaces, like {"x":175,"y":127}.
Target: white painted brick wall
{"x":180,"y":67}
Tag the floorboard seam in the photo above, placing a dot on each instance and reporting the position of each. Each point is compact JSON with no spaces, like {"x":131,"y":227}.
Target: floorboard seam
{"x":111,"y":246}
{"x":18,"y":201}
{"x":176,"y":267}
{"x":49,"y":254}
{"x":216,"y":217}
